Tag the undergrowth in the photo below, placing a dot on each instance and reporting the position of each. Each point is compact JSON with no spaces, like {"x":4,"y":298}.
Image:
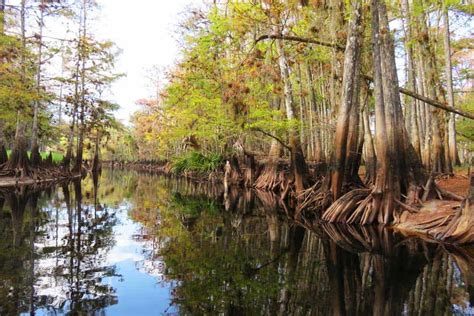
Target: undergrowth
{"x":196,"y":162}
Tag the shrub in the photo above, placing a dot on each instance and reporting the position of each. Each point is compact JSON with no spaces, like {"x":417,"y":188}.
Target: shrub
{"x":196,"y":162}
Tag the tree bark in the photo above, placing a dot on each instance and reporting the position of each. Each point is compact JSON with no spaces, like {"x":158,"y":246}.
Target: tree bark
{"x":82,"y":107}
{"x":35,"y":155}
{"x":453,"y":151}
{"x":19,"y":158}
{"x":349,"y":96}
{"x":298,"y":163}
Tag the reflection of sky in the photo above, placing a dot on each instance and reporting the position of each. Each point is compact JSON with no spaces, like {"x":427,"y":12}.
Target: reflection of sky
{"x":138,"y":292}
{"x":140,"y":288}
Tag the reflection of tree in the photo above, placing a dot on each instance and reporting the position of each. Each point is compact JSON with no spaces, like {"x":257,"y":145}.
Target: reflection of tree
{"x":241,"y":258}
{"x":90,"y":237}
{"x":399,"y":276}
{"x":15,"y":248}
{"x":52,"y":251}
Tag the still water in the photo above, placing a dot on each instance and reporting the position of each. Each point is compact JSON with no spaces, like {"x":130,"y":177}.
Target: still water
{"x":136,"y":244}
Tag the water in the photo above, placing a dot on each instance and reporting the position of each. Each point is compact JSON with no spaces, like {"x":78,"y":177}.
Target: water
{"x":131,"y":244}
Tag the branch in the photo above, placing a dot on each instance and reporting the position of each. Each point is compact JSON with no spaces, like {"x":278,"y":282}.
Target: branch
{"x":412,"y":94}
{"x":300,"y":40}
{"x":272,"y":136}
{"x":437,"y":104}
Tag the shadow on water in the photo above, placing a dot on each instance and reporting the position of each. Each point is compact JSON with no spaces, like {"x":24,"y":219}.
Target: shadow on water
{"x":60,"y":251}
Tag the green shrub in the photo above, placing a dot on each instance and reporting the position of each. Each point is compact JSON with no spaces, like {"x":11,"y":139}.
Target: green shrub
{"x":196,"y":162}
{"x":57,"y":157}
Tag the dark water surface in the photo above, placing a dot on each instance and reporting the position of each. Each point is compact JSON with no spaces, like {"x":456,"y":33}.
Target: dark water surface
{"x":145,"y":245}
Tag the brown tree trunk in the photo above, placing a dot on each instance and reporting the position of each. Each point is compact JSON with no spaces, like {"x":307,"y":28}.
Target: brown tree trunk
{"x":298,"y":164}
{"x":315,"y":132}
{"x":96,"y":162}
{"x":349,"y":96}
{"x":411,"y":83}
{"x":3,"y":150}
{"x":453,"y":151}
{"x":370,"y":159}
{"x":19,"y":158}
{"x":35,"y":154}
{"x":437,"y":155}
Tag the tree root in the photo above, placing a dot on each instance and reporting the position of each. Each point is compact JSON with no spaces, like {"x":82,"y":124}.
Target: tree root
{"x":315,"y":199}
{"x":349,"y":207}
{"x":272,"y":178}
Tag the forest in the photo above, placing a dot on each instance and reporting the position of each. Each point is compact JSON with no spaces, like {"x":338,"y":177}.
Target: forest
{"x":351,"y":112}
{"x":286,"y":157}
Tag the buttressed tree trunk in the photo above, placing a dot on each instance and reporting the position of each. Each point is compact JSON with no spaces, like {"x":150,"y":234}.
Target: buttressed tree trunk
{"x":348,"y":111}
{"x":269,"y":179}
{"x":398,"y":168}
{"x":349,"y":104}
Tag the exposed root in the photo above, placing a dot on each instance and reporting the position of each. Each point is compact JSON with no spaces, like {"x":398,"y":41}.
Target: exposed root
{"x":348,"y":208}
{"x":460,"y":228}
{"x":315,"y":199}
{"x":272,"y":177}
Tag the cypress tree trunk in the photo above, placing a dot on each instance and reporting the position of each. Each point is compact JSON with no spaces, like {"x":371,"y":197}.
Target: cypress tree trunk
{"x":438,"y":163}
{"x":68,"y":157}
{"x":3,"y":150}
{"x":82,"y":107}
{"x":453,"y":151}
{"x":411,"y":82}
{"x":317,"y":152}
{"x":348,"y":109}
{"x":398,"y":169}
{"x":370,"y":159}
{"x":19,"y":161}
{"x":298,"y":164}
{"x":96,"y":162}
{"x":35,"y":155}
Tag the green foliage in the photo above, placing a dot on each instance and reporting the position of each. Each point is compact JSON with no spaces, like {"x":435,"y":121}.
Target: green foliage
{"x":196,"y":162}
{"x":57,"y":157}
{"x":464,"y":126}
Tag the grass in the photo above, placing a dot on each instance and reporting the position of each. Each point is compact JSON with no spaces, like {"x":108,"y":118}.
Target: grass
{"x":57,"y":157}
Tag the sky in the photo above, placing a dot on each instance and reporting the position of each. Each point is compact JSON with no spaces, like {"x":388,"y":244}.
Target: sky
{"x":145,"y":31}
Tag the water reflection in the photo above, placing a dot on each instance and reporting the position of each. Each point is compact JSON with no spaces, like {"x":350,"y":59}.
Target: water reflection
{"x":141,"y":244}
